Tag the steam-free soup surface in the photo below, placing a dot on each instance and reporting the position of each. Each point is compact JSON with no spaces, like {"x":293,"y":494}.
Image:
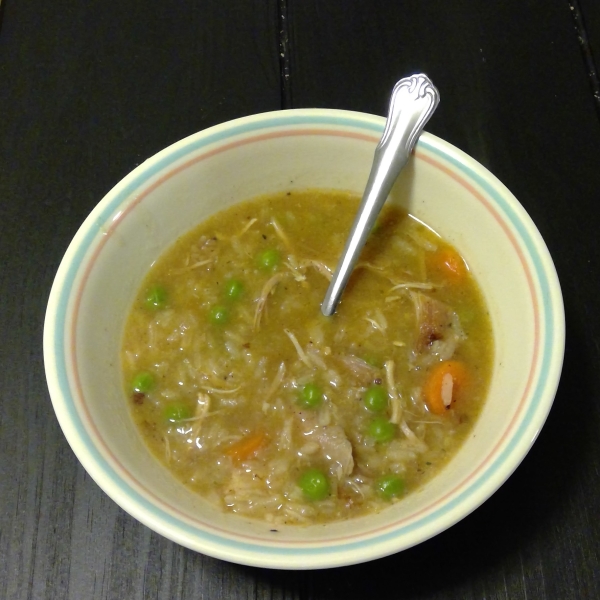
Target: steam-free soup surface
{"x":268,"y":409}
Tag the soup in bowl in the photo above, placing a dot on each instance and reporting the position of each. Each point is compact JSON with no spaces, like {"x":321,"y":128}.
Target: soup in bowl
{"x":197,"y":382}
{"x":253,"y":398}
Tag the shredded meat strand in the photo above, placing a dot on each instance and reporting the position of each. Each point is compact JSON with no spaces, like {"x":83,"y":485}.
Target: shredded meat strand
{"x":262,"y":301}
{"x":246,"y":227}
{"x":320,"y":266}
{"x":202,"y":407}
{"x":277,"y":380}
{"x":281,"y":234}
{"x":213,"y":390}
{"x":393,"y":393}
{"x":412,"y":286}
{"x":298,"y":347}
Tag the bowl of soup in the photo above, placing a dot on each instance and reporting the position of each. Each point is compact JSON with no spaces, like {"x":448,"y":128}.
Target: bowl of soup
{"x":198,"y":383}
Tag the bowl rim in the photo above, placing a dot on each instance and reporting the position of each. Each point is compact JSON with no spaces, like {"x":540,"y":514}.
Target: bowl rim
{"x":274,"y":555}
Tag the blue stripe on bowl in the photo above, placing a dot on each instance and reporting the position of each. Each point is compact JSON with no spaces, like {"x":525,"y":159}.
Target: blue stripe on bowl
{"x":552,"y":311}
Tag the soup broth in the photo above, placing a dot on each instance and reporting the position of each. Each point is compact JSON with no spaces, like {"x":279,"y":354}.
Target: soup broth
{"x":267,"y":408}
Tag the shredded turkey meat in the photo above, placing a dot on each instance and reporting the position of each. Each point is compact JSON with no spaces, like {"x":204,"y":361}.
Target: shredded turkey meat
{"x":335,"y":446}
{"x":438,"y":330}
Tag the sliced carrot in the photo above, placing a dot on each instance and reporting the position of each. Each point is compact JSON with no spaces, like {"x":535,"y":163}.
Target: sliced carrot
{"x":246,"y":447}
{"x":444,"y":385}
{"x":448,"y":263}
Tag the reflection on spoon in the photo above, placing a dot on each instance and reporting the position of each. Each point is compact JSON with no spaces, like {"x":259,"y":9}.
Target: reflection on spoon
{"x":414,"y":99}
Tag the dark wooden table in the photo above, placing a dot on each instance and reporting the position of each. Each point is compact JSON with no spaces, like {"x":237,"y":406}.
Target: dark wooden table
{"x":90,"y":89}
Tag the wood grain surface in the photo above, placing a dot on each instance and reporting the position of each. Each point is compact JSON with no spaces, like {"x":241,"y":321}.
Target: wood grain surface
{"x":88,"y":90}
{"x":586,"y":20}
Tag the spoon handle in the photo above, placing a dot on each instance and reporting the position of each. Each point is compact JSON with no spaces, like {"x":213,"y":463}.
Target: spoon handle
{"x":413,"y":101}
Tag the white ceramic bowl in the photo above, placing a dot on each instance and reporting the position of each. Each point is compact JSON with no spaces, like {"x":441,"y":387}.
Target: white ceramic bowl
{"x":179,"y":187}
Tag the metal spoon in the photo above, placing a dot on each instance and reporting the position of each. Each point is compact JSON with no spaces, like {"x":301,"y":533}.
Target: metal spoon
{"x":413,"y":101}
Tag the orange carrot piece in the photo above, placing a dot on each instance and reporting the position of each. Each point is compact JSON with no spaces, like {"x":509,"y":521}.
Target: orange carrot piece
{"x":246,"y":447}
{"x":449,"y":264}
{"x":445,"y":381}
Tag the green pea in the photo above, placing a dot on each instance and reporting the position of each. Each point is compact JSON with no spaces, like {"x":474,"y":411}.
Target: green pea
{"x":390,"y":486}
{"x":268,"y":260}
{"x":234,"y":288}
{"x":381,"y":430}
{"x":373,"y":360}
{"x":156,"y":297}
{"x":375,"y":398}
{"x":310,"y":396}
{"x":177,"y":411}
{"x":142,"y":383}
{"x":314,"y":484}
{"x":218,"y":315}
